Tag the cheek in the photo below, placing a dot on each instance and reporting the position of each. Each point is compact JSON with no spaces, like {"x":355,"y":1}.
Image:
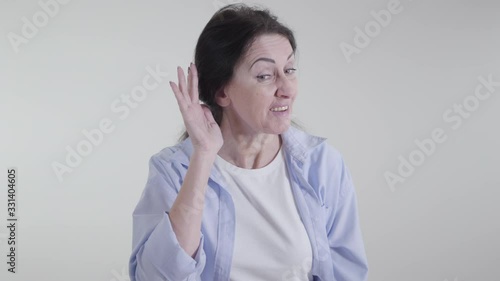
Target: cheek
{"x":259,"y":106}
{"x":256,"y":108}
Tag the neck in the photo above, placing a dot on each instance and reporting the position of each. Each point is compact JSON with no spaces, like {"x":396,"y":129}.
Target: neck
{"x":248,"y":150}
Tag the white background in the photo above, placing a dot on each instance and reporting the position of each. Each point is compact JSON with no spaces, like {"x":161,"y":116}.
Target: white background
{"x":440,"y":223}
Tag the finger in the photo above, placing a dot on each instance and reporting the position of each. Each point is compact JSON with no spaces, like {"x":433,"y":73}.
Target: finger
{"x":208,"y":114}
{"x":182,"y":84}
{"x":194,"y":84}
{"x":189,"y":83}
{"x":181,"y":100}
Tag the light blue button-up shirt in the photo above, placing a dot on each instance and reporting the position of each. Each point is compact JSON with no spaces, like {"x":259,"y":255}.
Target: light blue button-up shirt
{"x":324,"y":194}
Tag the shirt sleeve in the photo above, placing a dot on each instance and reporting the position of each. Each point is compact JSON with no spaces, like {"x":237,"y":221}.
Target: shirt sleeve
{"x":345,"y":237}
{"x":156,"y":252}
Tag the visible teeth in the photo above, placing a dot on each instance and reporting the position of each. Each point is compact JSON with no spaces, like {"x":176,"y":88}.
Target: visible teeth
{"x":283,"y":108}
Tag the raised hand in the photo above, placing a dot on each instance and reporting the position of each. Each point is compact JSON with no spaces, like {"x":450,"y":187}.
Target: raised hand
{"x":205,"y":134}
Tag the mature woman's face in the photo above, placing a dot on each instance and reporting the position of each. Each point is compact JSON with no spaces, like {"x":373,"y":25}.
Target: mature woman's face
{"x":260,"y":96}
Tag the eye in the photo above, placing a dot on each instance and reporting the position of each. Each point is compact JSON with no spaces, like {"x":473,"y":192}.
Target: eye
{"x":261,"y":77}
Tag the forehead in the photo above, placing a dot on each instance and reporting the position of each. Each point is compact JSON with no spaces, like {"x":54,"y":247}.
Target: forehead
{"x":274,"y":45}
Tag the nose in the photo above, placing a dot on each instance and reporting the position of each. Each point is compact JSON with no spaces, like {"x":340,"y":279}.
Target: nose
{"x":286,"y":87}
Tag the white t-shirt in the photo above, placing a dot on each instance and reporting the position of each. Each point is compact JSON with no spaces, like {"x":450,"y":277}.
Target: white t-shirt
{"x":271,"y":242}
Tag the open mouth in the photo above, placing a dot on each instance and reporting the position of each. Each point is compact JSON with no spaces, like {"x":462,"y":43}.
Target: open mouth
{"x":279,"y":109}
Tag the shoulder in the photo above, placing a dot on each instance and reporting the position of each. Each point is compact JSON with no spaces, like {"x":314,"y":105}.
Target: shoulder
{"x":322,"y":165}
{"x":308,"y":148}
{"x":327,"y":163}
{"x":175,"y":154}
{"x":169,"y":165}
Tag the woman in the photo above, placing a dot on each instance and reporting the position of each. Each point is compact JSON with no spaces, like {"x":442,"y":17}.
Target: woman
{"x":245,"y":196}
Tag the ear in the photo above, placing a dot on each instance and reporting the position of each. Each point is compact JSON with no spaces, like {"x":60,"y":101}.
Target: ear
{"x":221,"y":98}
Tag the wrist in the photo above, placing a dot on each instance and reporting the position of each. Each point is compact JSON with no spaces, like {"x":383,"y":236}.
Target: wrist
{"x":204,"y":154}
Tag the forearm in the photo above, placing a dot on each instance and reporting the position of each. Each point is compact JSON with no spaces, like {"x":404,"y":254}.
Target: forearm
{"x":187,"y":210}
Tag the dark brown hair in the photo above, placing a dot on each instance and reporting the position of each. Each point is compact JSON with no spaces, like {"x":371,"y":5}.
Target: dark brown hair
{"x":225,"y":39}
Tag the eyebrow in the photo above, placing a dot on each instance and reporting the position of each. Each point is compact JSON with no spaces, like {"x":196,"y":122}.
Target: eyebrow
{"x":268,"y":60}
